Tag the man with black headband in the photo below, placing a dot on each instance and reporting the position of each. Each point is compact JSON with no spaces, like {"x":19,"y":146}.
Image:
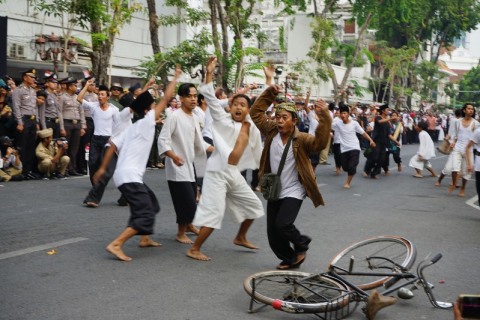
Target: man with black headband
{"x":133,"y":147}
{"x":297,"y":177}
{"x":346,"y":131}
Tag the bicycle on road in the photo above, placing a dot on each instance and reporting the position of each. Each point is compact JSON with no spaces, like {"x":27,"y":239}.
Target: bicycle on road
{"x":354,"y":275}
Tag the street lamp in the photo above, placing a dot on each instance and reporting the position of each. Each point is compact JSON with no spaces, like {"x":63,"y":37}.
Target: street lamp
{"x":50,"y":48}
{"x":290,"y":79}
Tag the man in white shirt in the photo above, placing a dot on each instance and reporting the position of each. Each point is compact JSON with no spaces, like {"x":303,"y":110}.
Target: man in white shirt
{"x":104,"y":117}
{"x":237,"y":147}
{"x":133,"y":148}
{"x":182,"y":143}
{"x":346,"y":131}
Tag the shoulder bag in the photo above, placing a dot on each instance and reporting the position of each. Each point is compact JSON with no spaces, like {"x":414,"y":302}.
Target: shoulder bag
{"x":270,"y":183}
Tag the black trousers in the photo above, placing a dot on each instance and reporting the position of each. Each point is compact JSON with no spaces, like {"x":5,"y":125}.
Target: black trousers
{"x":281,"y":231}
{"x":96,"y":192}
{"x":477,"y":184}
{"x":73,"y":137}
{"x":95,"y":156}
{"x":350,"y":161}
{"x":52,"y":123}
{"x":143,"y":206}
{"x":184,"y":195}
{"x":254,"y":182}
{"x":81,"y":164}
{"x":26,"y":142}
{"x":337,"y":155}
{"x":376,"y":160}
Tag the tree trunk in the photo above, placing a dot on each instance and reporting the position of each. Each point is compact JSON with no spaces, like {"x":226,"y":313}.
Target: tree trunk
{"x":361,"y":34}
{"x":153,"y":26}
{"x":216,"y":39}
{"x":100,"y":55}
{"x":225,"y":47}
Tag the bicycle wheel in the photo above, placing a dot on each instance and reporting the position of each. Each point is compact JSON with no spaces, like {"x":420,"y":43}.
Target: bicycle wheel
{"x":377,"y":250}
{"x":297,"y":292}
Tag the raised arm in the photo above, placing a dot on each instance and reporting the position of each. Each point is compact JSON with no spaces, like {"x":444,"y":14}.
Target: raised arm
{"x":269,"y":72}
{"x":84,"y":90}
{"x":261,"y":105}
{"x":169,"y":92}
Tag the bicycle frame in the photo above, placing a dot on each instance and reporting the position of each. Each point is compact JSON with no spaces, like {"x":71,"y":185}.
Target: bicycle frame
{"x":395,"y":277}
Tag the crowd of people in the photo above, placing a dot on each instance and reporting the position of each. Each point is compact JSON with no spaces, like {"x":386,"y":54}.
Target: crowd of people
{"x":206,"y":141}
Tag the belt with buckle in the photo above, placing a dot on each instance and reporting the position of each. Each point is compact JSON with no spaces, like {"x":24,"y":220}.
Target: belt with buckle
{"x":72,"y":121}
{"x":29,"y":117}
{"x":51,"y":119}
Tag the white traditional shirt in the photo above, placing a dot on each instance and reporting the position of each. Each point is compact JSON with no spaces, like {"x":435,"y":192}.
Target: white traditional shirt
{"x":225,"y":132}
{"x":464,"y":134}
{"x":427,"y":148}
{"x":347,"y":134}
{"x":291,"y":186}
{"x":181,"y":133}
{"x":104,"y":120}
{"x":134,"y":146}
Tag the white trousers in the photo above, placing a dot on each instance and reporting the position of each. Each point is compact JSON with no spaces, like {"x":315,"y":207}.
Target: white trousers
{"x":226,"y":190}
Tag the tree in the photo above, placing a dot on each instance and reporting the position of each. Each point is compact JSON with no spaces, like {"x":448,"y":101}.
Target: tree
{"x":105,"y":26}
{"x":104,"y":18}
{"x":67,"y":12}
{"x":153,"y":25}
{"x":470,"y":82}
{"x":189,"y":54}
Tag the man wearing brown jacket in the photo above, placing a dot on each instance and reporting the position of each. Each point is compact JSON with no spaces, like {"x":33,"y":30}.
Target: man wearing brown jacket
{"x":297,"y":177}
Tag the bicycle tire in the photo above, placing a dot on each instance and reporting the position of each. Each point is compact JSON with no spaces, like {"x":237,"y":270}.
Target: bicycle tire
{"x":324,"y":294}
{"x":397,"y":249}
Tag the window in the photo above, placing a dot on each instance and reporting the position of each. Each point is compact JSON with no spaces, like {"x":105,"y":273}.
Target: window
{"x":349,"y":26}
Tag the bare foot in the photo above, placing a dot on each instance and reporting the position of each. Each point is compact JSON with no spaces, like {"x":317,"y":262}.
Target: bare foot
{"x":374,"y":177}
{"x":437,"y":184}
{"x":197,"y":255}
{"x":337,"y":172}
{"x":399,"y":168}
{"x":117,"y":251}
{"x":417,"y":176}
{"x":245,"y":244}
{"x":191,"y":228}
{"x":365,"y":175}
{"x":461,"y":193}
{"x":145,"y":243}
{"x":451,"y":188}
{"x":184,"y":239}
{"x":387,"y":173}
{"x":346,"y":186}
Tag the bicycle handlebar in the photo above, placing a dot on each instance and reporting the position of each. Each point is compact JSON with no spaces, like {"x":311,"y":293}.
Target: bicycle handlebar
{"x":437,"y":257}
{"x":426,"y":286}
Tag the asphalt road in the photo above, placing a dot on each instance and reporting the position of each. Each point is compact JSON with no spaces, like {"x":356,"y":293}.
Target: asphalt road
{"x":80,"y":280}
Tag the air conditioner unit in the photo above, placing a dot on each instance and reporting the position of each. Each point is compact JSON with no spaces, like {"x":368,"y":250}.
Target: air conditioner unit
{"x":17,"y":51}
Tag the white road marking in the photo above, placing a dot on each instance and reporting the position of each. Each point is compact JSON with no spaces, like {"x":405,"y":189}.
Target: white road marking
{"x":40,"y":248}
{"x":471,"y":203}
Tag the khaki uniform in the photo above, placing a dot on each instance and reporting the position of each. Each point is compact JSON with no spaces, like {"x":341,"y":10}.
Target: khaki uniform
{"x":45,"y":156}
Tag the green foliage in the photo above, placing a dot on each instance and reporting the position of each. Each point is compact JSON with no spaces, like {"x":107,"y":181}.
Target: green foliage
{"x":323,"y":40}
{"x":429,"y":76}
{"x":192,"y":17}
{"x":281,"y":36}
{"x":470,"y":82}
{"x":189,"y":54}
{"x":411,"y":22}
